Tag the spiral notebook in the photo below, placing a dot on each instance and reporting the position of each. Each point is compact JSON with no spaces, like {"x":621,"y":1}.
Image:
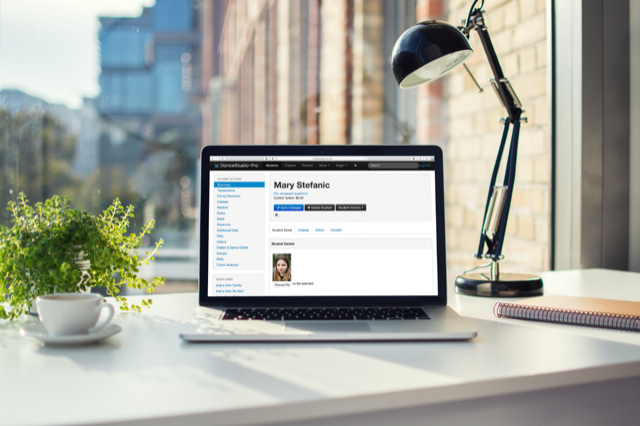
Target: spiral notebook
{"x":604,"y":313}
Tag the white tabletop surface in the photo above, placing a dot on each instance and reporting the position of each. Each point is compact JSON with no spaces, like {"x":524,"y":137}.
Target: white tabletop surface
{"x":146,"y":372}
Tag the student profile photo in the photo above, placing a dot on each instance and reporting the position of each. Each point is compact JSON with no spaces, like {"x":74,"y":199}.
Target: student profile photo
{"x":282,"y":267}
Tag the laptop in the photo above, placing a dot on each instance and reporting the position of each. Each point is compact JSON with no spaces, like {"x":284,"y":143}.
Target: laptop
{"x":322,"y":243}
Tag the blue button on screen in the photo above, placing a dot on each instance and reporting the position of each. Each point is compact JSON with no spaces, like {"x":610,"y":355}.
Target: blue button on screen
{"x":238,"y":185}
{"x":288,"y":207}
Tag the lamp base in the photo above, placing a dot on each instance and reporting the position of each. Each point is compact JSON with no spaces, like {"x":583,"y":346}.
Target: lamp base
{"x":508,"y":285}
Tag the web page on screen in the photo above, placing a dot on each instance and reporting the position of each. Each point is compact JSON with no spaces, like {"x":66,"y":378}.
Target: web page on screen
{"x":313,"y":226}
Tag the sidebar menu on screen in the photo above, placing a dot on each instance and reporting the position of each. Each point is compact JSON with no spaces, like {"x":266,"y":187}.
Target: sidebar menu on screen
{"x":238,"y":234}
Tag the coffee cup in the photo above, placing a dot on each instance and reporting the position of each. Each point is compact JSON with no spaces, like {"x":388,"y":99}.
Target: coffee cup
{"x":67,"y":314}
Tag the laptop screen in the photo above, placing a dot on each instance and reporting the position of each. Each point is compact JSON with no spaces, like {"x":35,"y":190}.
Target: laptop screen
{"x":322,"y":226}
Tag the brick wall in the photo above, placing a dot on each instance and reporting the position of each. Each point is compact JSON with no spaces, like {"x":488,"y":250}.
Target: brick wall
{"x":313,"y":76}
{"x":333,"y":77}
{"x":430,"y":102}
{"x":270,"y":56}
{"x":473,"y":131}
{"x":368,"y":73}
{"x":283,"y":53}
{"x":261,"y":74}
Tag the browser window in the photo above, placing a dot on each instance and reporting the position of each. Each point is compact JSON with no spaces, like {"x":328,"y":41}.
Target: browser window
{"x":322,"y":226}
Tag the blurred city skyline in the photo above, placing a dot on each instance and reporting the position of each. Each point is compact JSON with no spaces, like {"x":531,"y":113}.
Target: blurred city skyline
{"x":136,"y":138}
{"x":63,"y":64}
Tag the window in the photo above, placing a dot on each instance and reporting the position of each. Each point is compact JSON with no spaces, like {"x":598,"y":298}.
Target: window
{"x":124,"y":94}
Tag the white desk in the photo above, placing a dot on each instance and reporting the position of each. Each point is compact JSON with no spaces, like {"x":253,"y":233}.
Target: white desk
{"x":514,"y":372}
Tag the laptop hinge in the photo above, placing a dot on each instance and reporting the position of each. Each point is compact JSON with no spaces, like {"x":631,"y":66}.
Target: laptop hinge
{"x":271,"y":304}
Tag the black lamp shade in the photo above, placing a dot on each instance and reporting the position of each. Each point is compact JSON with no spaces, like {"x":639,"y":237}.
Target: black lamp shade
{"x":427,"y":51}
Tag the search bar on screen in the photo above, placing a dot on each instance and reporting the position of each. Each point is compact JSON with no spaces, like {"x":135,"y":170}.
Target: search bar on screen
{"x":383,"y":166}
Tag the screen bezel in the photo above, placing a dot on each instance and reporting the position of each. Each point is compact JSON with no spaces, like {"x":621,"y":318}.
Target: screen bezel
{"x":319,"y":150}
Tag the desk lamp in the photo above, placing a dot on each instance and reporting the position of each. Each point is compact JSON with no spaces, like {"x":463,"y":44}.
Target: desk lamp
{"x":426,"y":52}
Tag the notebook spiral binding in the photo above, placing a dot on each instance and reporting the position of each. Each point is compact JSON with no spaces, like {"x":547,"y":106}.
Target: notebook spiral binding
{"x":567,"y":316}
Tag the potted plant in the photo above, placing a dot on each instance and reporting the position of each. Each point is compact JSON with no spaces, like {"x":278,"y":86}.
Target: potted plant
{"x":53,"y":248}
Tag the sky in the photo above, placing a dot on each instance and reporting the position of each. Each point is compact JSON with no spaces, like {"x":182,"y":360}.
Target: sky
{"x":49,"y":48}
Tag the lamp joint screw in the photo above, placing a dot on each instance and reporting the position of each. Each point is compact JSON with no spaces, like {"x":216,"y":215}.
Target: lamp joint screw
{"x":522,"y":119}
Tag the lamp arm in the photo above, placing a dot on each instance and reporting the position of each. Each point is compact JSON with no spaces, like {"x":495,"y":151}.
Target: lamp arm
{"x":500,"y":83}
{"x":484,"y":239}
{"x":510,"y":101}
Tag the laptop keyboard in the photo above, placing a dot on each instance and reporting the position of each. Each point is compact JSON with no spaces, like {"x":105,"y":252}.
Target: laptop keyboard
{"x":325,"y":314}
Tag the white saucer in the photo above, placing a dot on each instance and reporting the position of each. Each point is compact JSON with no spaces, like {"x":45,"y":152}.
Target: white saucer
{"x":38,"y":332}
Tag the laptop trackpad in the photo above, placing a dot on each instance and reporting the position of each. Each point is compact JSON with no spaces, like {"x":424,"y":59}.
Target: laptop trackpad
{"x":329,"y":327}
